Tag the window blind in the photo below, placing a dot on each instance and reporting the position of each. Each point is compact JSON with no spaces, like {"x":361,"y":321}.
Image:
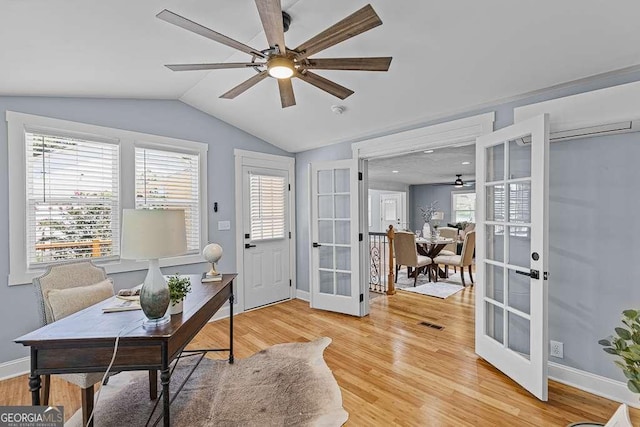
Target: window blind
{"x":170,"y":180}
{"x":267,"y":196}
{"x":72,"y":198}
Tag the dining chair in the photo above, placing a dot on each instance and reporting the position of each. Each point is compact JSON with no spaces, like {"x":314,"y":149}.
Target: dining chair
{"x":451,"y":248}
{"x":465,"y":259}
{"x":61,"y":291}
{"x":404,"y":245}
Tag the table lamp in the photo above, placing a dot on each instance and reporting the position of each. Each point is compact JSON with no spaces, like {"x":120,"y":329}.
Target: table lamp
{"x":212,"y":253}
{"x":150,"y":235}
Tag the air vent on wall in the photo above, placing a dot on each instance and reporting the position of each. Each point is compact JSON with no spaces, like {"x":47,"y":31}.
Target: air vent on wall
{"x":584,"y":132}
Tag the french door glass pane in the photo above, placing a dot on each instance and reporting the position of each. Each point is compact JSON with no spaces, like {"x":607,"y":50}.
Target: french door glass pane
{"x":326,"y":282}
{"x":520,"y":246}
{"x":495,"y":203}
{"x":342,"y":206}
{"x":343,"y":284}
{"x":343,"y":230}
{"x":495,"y":163}
{"x":519,"y":333}
{"x":519,"y":160}
{"x":326,"y":257}
{"x":495,"y":242}
{"x":494,"y":282}
{"x":343,"y":258}
{"x":325,"y":206}
{"x":495,"y":322}
{"x":520,"y":202}
{"x":325,"y":182}
{"x":519,"y":292}
{"x":325,"y":231}
{"x":342,"y":180}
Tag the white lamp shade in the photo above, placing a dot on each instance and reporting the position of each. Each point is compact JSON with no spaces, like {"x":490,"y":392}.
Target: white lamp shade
{"x":438,"y":216}
{"x":152,"y":234}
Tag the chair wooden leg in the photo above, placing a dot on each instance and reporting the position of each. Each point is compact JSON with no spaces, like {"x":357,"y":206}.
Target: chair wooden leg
{"x":470,"y":275}
{"x":462,"y":276}
{"x":153,"y":384}
{"x":44,"y":392}
{"x":446,"y":271}
{"x":87,"y":405}
{"x":415,"y":278}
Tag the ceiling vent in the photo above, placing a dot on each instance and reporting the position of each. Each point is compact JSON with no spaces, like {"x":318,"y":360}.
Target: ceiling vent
{"x":584,"y":132}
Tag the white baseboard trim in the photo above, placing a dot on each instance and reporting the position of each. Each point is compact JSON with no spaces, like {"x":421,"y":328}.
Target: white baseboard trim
{"x":15,"y":368}
{"x":592,"y":383}
{"x":303,"y":295}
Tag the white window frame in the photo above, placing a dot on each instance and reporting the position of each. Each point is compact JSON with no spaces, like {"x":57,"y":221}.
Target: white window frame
{"x":453,"y":204}
{"x":19,"y":273}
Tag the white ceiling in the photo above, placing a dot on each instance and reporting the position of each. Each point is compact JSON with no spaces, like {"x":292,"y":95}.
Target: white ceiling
{"x":447,"y":56}
{"x":439,"y":167}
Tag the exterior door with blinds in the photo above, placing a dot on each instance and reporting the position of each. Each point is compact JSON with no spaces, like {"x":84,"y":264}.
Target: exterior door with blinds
{"x":266,"y":236}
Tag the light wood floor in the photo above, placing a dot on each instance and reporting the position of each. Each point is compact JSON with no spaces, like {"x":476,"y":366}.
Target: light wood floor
{"x":391,"y":369}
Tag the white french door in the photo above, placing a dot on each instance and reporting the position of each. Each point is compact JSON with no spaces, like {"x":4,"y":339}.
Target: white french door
{"x":512,"y":250}
{"x":335,"y":251}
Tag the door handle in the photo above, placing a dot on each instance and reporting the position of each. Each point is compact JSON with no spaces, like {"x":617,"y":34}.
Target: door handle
{"x":247,"y":246}
{"x":316,"y":245}
{"x":534,"y":274}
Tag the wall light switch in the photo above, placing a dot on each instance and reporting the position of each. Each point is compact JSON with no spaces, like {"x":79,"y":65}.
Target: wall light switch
{"x":224,"y":225}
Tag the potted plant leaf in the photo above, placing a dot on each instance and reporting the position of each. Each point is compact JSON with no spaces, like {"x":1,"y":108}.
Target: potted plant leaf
{"x":179,"y":287}
{"x":626,"y":345}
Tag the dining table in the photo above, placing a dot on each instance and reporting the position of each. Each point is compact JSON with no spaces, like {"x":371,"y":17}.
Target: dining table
{"x":431,"y":247}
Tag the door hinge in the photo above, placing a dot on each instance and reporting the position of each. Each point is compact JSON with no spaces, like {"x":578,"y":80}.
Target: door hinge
{"x":289,"y":234}
{"x":359,"y":176}
{"x":361,"y":297}
{"x":546,"y":275}
{"x":290,"y":283}
{"x":289,"y":187}
{"x":360,"y":237}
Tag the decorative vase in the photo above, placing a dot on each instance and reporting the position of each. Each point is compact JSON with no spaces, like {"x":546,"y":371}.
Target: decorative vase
{"x":426,"y":230}
{"x":154,"y":296}
{"x":177,"y":308}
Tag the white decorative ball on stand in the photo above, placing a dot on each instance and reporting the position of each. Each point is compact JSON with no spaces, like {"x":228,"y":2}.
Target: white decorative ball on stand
{"x":212,"y":253}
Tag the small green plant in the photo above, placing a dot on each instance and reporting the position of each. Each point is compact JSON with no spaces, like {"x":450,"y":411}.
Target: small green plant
{"x":626,"y":345}
{"x":179,"y":287}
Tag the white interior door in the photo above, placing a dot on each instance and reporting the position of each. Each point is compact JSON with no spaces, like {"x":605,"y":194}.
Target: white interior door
{"x":335,"y":284}
{"x":266,"y":254}
{"x":511,"y":252}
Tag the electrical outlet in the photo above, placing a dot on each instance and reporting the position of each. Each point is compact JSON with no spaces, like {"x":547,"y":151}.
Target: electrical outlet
{"x":556,"y":349}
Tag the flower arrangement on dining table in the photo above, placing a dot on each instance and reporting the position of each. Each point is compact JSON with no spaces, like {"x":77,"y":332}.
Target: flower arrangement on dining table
{"x":428,"y":211}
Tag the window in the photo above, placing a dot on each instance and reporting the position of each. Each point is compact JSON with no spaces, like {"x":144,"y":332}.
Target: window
{"x":68,"y":184}
{"x":268,"y":206}
{"x":463,"y":206}
{"x":72,"y":198}
{"x":169,"y":180}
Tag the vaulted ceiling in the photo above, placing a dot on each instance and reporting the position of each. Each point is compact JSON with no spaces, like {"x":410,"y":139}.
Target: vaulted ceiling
{"x":448,"y":56}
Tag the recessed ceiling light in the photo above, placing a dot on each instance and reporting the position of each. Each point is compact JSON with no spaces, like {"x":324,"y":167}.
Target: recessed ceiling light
{"x":428,"y":151}
{"x":395,"y":171}
{"x":466,"y":163}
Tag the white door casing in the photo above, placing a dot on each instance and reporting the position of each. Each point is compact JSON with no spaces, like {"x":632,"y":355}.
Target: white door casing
{"x":335,"y":222}
{"x":512,"y":243}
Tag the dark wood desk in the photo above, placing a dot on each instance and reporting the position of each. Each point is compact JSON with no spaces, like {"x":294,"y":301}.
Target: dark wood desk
{"x":84,"y":341}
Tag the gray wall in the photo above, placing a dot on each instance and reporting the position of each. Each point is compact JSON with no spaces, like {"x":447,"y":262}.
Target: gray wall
{"x":167,"y":118}
{"x":423,"y":195}
{"x":593,"y":229}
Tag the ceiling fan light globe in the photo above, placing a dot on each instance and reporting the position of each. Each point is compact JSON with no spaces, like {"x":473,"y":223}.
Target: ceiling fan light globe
{"x":280,"y":68}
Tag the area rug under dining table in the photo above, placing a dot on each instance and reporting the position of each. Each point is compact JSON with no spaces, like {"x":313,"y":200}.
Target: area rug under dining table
{"x":443,"y":288}
{"x":286,"y":384}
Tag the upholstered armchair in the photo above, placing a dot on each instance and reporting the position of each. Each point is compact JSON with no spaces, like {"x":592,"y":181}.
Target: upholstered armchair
{"x":463,"y":260}
{"x":406,"y":253}
{"x":61,"y":291}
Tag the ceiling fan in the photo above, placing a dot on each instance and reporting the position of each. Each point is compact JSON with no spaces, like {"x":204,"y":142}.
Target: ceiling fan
{"x":283,"y":63}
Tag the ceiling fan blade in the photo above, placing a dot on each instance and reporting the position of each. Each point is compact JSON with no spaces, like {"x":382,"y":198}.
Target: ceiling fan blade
{"x":216,"y":66}
{"x":271,"y":16}
{"x":286,"y":93}
{"x":326,"y":85}
{"x":245,"y":85}
{"x":354,"y":24}
{"x":189,"y":25}
{"x":360,"y":64}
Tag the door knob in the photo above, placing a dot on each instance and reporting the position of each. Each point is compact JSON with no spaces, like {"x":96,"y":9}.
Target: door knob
{"x":247,"y":246}
{"x":316,"y":245}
